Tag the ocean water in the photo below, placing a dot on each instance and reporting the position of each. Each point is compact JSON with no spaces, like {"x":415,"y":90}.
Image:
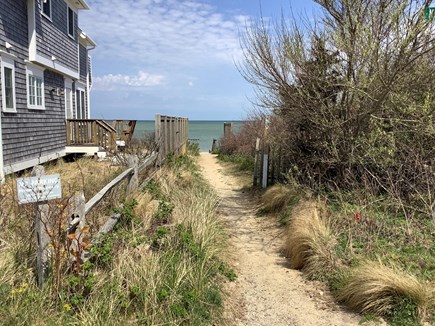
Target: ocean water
{"x":204,"y":131}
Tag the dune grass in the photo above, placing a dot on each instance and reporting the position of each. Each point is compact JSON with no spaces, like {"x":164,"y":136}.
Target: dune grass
{"x":162,"y":265}
{"x":310,"y":244}
{"x":376,"y":262}
{"x":277,"y":197}
{"x":375,"y":288}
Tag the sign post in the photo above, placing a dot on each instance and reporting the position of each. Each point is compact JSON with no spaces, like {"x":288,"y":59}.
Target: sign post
{"x":38,"y":189}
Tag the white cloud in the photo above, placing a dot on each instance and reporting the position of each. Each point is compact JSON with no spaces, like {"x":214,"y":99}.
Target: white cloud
{"x":140,"y":80}
{"x":157,"y":32}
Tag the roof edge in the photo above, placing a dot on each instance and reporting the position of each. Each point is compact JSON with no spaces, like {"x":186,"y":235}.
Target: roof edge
{"x":86,"y":40}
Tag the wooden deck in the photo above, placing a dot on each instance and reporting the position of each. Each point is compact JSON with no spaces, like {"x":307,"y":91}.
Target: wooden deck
{"x":99,"y":134}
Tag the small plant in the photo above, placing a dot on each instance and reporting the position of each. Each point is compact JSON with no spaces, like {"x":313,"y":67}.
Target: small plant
{"x":163,"y":213}
{"x":127,"y":213}
{"x":154,"y":189}
{"x":367,"y":318}
{"x":228,"y":272}
{"x":159,"y":236}
{"x":102,"y":252}
{"x":193,"y":148}
{"x":242,"y":162}
{"x":187,"y":242}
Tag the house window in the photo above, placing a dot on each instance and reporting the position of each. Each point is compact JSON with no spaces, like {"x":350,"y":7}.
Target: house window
{"x":80,"y":104}
{"x":70,"y":22}
{"x":35,"y":88}
{"x":46,"y":8}
{"x":68,"y":103}
{"x":8,"y":85}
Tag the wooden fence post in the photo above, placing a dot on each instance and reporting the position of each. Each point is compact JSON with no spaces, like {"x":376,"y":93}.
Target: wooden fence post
{"x":158,"y":137}
{"x":256,"y":162}
{"x":42,"y":228}
{"x":133,"y":180}
{"x":227,"y":128}
{"x":214,"y":146}
{"x":265,"y":168}
{"x":77,"y":219}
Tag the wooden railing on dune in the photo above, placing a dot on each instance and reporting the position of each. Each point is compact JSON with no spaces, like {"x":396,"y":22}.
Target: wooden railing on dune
{"x":124,"y":130}
{"x":91,"y":132}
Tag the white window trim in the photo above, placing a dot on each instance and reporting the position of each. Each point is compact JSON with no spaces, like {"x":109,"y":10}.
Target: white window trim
{"x":51,"y":10}
{"x":8,"y":63}
{"x":68,"y":8}
{"x":79,"y":88}
{"x":33,"y":70}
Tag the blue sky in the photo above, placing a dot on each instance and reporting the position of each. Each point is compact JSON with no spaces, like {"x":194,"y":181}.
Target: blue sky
{"x":174,"y":57}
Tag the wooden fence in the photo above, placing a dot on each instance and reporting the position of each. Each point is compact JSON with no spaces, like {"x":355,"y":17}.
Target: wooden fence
{"x":172,"y":135}
{"x":270,"y":164}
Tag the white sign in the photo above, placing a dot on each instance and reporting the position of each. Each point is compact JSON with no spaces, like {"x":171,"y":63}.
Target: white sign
{"x":35,"y":189}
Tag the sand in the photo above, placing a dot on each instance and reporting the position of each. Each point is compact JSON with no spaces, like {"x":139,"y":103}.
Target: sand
{"x":267,"y":291}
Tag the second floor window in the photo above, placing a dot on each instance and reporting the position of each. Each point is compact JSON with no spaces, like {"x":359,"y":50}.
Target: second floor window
{"x":70,"y":22}
{"x":46,"y":8}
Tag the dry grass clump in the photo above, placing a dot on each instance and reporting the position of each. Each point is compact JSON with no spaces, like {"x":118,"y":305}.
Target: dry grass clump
{"x":375,"y":288}
{"x":145,"y":207}
{"x":276,"y":198}
{"x":85,"y":174}
{"x":310,"y":244}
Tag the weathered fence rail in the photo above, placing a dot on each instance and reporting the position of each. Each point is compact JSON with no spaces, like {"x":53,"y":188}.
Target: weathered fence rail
{"x":124,"y":175}
{"x":172,"y":137}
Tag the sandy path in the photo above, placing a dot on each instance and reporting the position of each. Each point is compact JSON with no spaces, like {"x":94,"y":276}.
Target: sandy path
{"x":266,"y":292}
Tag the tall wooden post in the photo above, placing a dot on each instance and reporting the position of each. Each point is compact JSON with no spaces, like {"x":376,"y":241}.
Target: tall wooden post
{"x":41,"y":234}
{"x":257,"y":162}
{"x":77,"y":221}
{"x":158,"y":136}
{"x":265,"y":168}
{"x":133,"y":180}
{"x":227,"y":128}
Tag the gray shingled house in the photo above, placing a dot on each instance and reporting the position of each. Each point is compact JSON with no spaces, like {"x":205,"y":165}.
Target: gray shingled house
{"x":45,"y":78}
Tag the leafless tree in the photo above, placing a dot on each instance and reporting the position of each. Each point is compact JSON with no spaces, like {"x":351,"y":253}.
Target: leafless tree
{"x":354,"y":93}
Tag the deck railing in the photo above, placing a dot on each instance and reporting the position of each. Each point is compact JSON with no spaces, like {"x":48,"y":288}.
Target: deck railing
{"x":90,"y":132}
{"x":124,"y":130}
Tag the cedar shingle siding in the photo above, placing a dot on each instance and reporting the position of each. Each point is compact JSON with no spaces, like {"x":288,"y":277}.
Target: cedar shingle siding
{"x":83,"y":56}
{"x":52,"y":36}
{"x":28,"y":134}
